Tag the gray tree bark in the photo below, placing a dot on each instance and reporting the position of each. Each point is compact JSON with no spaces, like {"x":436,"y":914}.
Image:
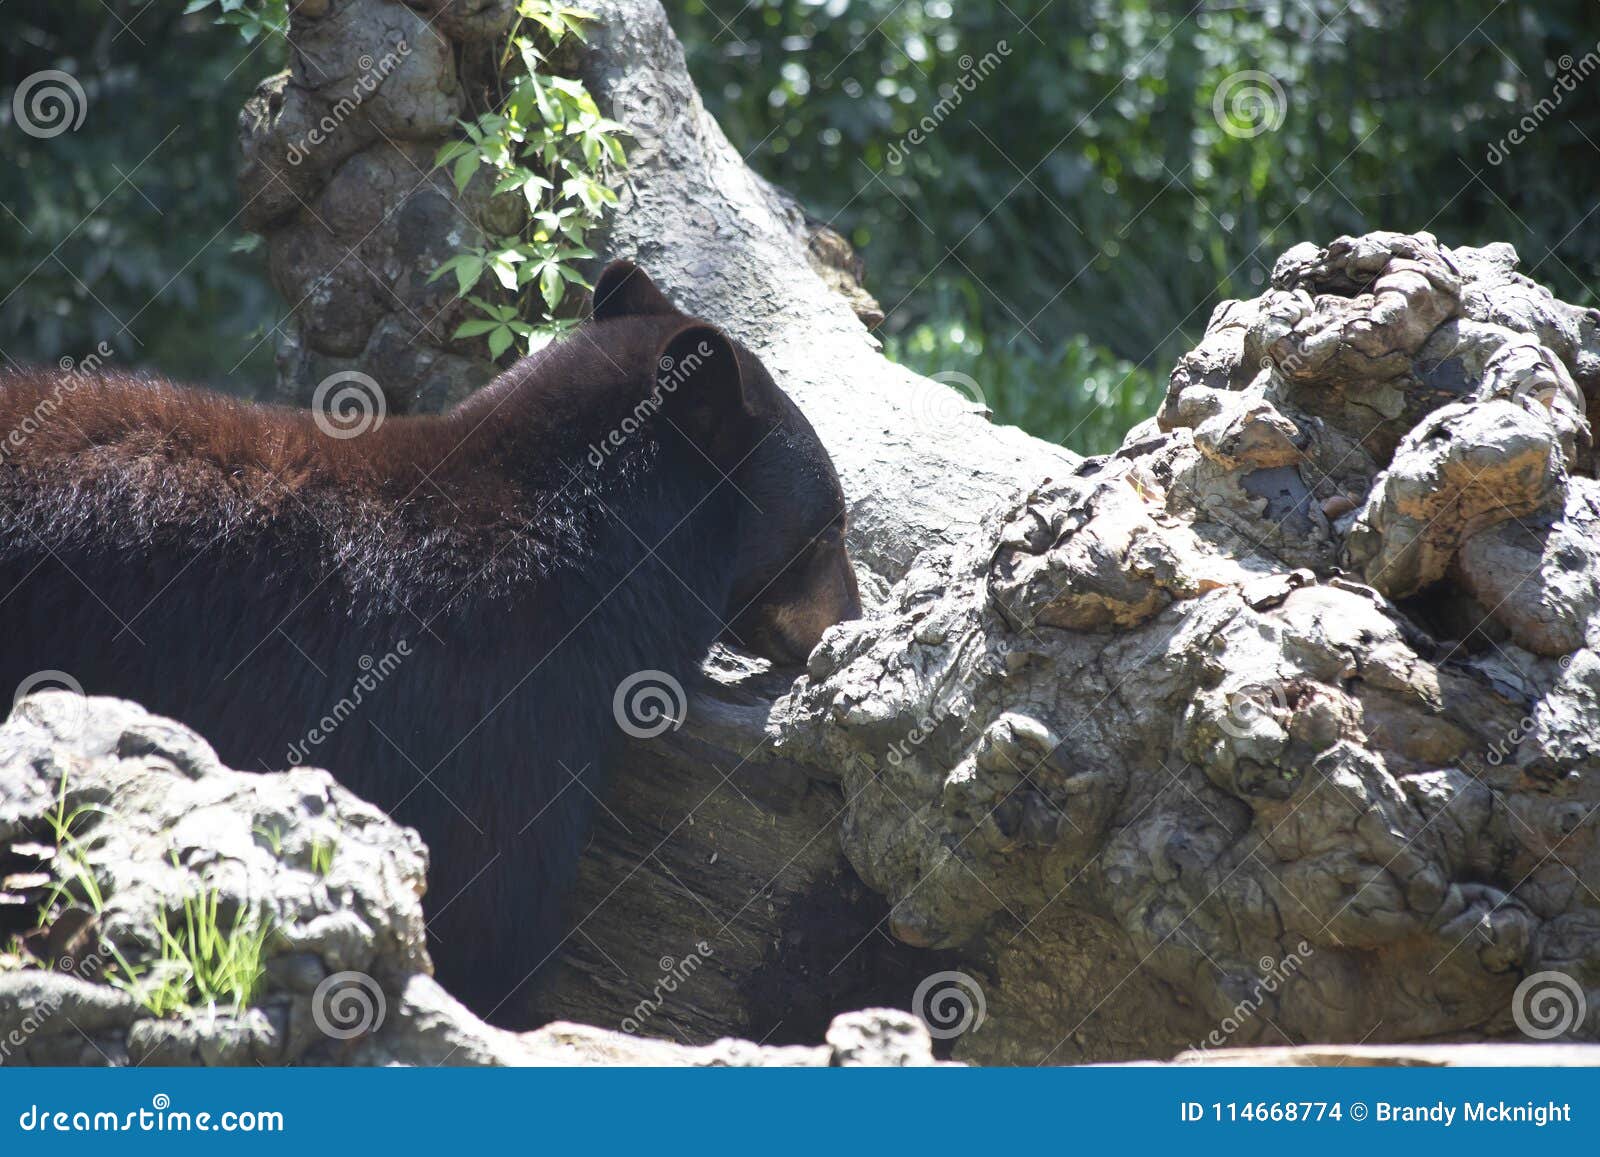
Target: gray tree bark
{"x":1274,"y":726}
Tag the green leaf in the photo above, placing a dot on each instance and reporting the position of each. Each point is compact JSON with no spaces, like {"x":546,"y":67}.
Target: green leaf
{"x":499,"y":341}
{"x":468,"y":268}
{"x":464,"y":168}
{"x":474,"y":328}
{"x":449,"y":152}
{"x":551,"y":286}
{"x":515,"y":178}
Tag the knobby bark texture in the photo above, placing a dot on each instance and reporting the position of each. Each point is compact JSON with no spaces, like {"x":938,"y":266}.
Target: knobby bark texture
{"x":1277,"y":722}
{"x":1275,"y":726}
{"x":338,"y":177}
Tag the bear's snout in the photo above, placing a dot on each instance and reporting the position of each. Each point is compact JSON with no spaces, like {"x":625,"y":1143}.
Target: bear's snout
{"x":786,"y":625}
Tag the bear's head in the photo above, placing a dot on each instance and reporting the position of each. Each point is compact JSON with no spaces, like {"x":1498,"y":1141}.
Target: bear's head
{"x":793,"y":580}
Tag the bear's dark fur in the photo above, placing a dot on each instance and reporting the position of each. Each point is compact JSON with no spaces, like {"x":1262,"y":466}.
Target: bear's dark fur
{"x":440,"y":610}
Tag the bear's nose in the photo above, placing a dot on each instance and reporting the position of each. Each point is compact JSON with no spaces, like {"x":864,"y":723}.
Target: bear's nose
{"x":852,"y":592}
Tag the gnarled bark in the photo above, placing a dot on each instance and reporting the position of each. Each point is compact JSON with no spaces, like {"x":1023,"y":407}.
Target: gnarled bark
{"x":1284,"y":704}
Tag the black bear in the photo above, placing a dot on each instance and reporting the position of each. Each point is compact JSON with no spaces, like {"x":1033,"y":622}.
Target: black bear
{"x":453,"y":612}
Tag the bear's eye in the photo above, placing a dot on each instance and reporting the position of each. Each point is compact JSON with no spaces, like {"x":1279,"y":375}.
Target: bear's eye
{"x":832,"y":534}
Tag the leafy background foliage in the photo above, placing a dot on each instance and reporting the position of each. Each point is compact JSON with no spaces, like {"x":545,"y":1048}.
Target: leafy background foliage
{"x":124,"y":231}
{"x":1083,"y":208}
{"x":1061,"y":236}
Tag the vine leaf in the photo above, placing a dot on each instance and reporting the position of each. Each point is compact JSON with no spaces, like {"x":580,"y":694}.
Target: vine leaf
{"x":548,"y":143}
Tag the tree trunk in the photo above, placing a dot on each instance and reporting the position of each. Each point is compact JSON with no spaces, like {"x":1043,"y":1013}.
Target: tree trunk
{"x":1274,"y":726}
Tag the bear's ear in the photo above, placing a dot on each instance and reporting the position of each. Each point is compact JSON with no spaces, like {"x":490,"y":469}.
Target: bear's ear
{"x":625,"y":290}
{"x":699,"y":380}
